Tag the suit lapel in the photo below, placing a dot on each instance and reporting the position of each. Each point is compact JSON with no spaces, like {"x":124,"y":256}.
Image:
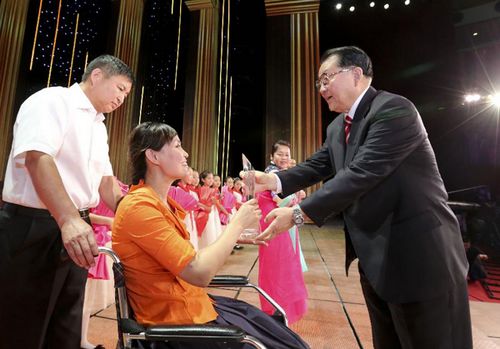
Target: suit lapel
{"x":358,"y":124}
{"x":339,"y":142}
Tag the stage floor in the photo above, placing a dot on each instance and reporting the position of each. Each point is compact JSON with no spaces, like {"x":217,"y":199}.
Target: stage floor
{"x":337,"y":315}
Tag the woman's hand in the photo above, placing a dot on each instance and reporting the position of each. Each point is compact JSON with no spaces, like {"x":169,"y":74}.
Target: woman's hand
{"x":248,"y":215}
{"x":244,"y":241}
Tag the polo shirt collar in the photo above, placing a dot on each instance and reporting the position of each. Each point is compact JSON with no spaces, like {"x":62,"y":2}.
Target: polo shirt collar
{"x":83,"y":102}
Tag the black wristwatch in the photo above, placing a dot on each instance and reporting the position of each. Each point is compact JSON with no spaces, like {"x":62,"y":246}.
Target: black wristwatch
{"x":297,"y":216}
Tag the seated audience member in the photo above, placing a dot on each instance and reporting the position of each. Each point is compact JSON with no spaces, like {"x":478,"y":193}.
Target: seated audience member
{"x":475,"y":257}
{"x":165,"y":276}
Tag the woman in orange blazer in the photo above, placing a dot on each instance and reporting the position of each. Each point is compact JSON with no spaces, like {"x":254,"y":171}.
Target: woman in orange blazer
{"x":165,"y":275}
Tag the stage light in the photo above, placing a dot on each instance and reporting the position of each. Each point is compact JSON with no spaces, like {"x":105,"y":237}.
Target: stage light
{"x":407,"y":2}
{"x":495,"y":100}
{"x":338,"y":6}
{"x":386,"y":6}
{"x":471,"y":98}
{"x":475,"y":34}
{"x":372,"y":4}
{"x":352,"y":8}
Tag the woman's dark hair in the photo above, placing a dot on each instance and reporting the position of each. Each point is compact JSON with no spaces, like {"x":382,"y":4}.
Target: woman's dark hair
{"x":148,"y":135}
{"x":350,"y":56}
{"x":204,"y":175}
{"x":276,"y":145}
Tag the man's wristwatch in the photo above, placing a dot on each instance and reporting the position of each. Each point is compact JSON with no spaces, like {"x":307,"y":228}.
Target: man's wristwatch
{"x":297,"y":216}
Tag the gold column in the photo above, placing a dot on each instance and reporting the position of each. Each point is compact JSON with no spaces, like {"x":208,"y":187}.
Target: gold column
{"x":127,"y":45}
{"x":200,"y":118}
{"x":305,"y":109}
{"x":13,"y":15}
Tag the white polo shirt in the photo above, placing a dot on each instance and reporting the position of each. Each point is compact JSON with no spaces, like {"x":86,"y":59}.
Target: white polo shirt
{"x":62,"y":123}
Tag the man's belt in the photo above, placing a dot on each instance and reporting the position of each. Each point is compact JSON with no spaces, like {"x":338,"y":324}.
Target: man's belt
{"x":35,"y":212}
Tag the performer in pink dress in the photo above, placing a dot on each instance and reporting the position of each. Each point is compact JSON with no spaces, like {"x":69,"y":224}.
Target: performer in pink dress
{"x":228,"y":201}
{"x":195,"y":182}
{"x":102,"y":220}
{"x":208,"y":221}
{"x":280,"y":269}
{"x":238,"y":192}
{"x":199,"y":214}
{"x":189,"y":202}
{"x":221,"y":210}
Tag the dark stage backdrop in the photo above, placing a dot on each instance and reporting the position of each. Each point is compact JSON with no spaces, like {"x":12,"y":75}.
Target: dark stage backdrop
{"x":45,"y":64}
{"x":422,"y":51}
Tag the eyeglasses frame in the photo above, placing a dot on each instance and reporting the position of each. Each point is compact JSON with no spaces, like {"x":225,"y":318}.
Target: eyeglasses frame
{"x":320,"y":82}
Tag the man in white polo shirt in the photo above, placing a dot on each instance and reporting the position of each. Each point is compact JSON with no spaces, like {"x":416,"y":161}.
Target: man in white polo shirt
{"x":58,"y":168}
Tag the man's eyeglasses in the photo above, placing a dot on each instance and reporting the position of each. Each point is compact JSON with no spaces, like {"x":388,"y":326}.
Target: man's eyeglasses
{"x":326,"y":78}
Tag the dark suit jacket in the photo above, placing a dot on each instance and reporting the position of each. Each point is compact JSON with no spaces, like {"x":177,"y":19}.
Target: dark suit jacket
{"x":387,"y":185}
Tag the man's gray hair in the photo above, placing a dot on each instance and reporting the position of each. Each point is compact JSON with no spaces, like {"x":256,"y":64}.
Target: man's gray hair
{"x":110,"y":65}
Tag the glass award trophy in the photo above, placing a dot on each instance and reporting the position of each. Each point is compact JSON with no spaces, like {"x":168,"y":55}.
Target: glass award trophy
{"x":249,"y":187}
{"x":249,"y":179}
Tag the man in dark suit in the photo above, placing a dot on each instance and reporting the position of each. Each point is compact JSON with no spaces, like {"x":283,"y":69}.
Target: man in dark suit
{"x":386,"y":183}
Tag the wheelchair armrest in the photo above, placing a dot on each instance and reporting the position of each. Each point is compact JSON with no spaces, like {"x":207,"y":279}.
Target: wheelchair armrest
{"x":195,"y":333}
{"x":131,"y":326}
{"x":228,"y":280}
{"x":242,"y":281}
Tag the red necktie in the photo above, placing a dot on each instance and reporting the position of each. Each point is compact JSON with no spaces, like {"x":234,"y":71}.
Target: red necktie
{"x":347,"y":126}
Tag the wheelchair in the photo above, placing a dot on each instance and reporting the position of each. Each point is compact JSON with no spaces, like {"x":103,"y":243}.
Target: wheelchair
{"x":129,"y":330}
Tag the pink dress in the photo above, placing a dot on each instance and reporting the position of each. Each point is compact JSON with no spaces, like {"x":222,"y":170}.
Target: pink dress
{"x":280,"y":269}
{"x":229,"y":203}
{"x":205,"y":195}
{"x":182,"y":195}
{"x":102,"y":237}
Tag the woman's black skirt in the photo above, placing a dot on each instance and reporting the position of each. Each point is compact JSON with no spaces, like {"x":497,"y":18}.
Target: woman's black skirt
{"x":271,"y":332}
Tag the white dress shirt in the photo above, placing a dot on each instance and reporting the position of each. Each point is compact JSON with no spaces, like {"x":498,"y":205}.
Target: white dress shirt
{"x":62,"y":123}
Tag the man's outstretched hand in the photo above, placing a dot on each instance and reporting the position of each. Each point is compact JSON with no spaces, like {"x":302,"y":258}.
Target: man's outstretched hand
{"x":281,"y":221}
{"x":263,"y":181}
